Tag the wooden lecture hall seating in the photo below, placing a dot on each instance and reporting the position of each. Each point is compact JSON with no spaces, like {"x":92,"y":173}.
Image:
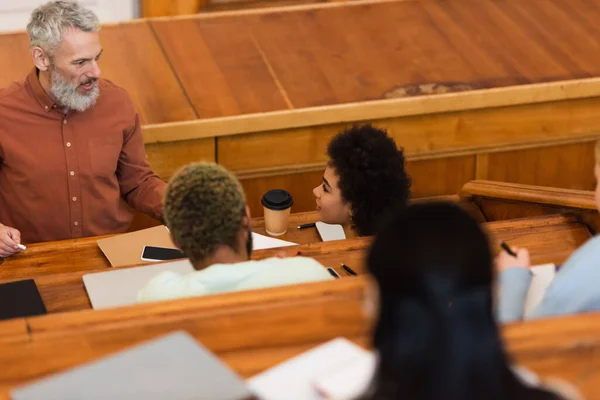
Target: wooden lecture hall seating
{"x":233,"y":325}
{"x":478,"y":87}
{"x":478,"y":93}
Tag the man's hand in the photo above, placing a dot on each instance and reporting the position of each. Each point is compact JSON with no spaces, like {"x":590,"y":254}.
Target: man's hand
{"x":505,"y":260}
{"x":10,"y":238}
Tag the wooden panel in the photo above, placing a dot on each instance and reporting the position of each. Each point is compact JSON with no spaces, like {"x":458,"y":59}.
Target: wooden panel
{"x":440,"y":176}
{"x":465,"y":131}
{"x":13,"y":331}
{"x":164,"y":8}
{"x":300,"y":186}
{"x":566,"y":166}
{"x":15,"y":60}
{"x":167,"y":158}
{"x":316,"y":60}
{"x":132,"y":58}
{"x":224,"y":73}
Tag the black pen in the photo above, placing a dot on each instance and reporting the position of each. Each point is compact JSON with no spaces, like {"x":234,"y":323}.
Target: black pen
{"x":311,"y":225}
{"x":349,"y":270}
{"x":333,"y":273}
{"x":508,"y":249}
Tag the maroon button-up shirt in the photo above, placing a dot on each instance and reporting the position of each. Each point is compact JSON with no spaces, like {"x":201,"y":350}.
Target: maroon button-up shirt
{"x":71,"y":176}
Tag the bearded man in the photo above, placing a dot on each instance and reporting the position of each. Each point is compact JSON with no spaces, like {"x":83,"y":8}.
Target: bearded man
{"x":71,"y":149}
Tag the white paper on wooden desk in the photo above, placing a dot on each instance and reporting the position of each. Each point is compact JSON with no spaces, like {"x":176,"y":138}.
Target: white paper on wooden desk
{"x":261,"y":242}
{"x":330,"y":232}
{"x":318,"y":370}
{"x":542,"y":278}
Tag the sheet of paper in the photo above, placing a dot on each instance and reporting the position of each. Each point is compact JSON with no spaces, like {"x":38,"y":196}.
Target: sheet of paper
{"x":330,"y":232}
{"x":349,"y":381}
{"x":261,"y":242}
{"x":296,"y":379}
{"x":542,"y":277}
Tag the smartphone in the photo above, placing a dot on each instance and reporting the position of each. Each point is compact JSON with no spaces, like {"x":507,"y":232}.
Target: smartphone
{"x":333,"y":273}
{"x":153,"y":253}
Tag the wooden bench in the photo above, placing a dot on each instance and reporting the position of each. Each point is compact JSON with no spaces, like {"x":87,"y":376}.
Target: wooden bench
{"x":255,"y":330}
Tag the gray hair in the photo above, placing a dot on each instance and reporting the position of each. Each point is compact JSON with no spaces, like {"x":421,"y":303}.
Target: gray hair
{"x":49,"y":21}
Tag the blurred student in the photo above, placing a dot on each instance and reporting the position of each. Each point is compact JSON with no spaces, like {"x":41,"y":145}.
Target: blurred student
{"x":436,"y":335}
{"x":206,"y":212}
{"x":573,"y":290}
{"x":364,"y":181}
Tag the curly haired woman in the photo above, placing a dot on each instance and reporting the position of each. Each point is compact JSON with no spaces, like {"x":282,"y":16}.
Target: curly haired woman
{"x":364,"y":181}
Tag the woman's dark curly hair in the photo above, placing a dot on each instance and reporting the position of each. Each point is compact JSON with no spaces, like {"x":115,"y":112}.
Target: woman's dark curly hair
{"x":371,"y":174}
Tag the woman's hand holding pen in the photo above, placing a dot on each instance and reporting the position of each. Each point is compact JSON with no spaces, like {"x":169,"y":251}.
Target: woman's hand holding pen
{"x":519,"y":258}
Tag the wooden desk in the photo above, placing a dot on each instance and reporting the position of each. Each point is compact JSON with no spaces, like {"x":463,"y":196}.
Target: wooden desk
{"x":85,"y":255}
{"x":275,"y":327}
{"x":548,"y":238}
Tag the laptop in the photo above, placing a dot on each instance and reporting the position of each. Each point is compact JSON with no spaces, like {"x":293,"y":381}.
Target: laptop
{"x":175,"y":366}
{"x":119,"y":287}
{"x":20,"y":299}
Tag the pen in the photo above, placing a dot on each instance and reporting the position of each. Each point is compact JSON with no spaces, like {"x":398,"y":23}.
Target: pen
{"x":508,"y":249}
{"x":333,"y":273}
{"x":311,"y":225}
{"x":349,"y":270}
{"x":21,"y":247}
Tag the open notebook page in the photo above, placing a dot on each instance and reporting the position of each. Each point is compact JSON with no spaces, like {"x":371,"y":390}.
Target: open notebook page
{"x":299,"y":377}
{"x":542,"y":277}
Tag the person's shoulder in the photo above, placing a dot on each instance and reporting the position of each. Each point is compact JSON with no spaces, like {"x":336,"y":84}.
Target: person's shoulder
{"x":586,"y":254}
{"x":115,"y":93}
{"x":8,"y":94}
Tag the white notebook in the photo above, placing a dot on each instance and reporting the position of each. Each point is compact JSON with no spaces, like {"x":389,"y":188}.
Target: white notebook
{"x":338,"y":369}
{"x":175,"y":366}
{"x":542,"y":278}
{"x":330,"y":232}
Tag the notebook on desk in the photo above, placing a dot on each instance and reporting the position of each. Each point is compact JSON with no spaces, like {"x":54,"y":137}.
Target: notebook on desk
{"x":542,"y":276}
{"x":126,"y":249}
{"x":20,"y":299}
{"x":175,"y":366}
{"x":336,"y":370}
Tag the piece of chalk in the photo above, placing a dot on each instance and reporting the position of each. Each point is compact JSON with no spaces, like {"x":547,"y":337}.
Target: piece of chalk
{"x":22,"y":247}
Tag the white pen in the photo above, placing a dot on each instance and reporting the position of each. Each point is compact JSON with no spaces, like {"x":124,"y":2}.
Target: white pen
{"x":22,"y":247}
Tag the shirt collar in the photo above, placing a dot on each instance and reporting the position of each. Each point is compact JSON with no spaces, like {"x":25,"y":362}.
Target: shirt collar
{"x":38,"y":91}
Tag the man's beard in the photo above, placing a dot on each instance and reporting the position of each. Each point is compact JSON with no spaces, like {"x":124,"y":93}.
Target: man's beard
{"x":65,"y":92}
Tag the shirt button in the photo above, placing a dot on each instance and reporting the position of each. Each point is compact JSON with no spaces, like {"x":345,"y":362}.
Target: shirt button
{"x":75,"y":223}
{"x":74,"y":198}
{"x":72,"y":173}
{"x":46,"y":108}
{"x":64,"y":121}
{"x":68,"y":144}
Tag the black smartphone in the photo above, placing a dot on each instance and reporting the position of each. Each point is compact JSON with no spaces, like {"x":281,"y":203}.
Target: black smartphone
{"x":152,"y":253}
